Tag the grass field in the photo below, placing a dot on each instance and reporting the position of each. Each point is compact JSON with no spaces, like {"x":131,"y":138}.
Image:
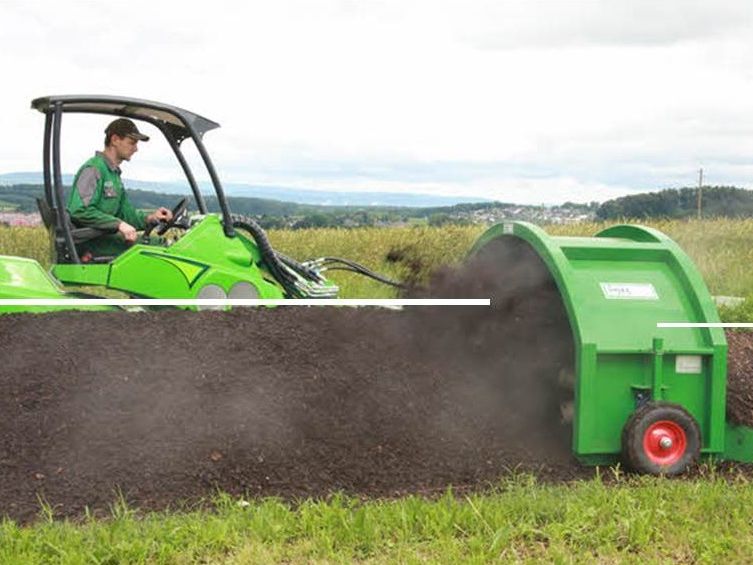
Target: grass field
{"x":633,"y":520}
{"x":706,"y":519}
{"x":721,"y":249}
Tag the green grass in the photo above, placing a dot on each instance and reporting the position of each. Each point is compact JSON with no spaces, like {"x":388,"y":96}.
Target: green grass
{"x":704,"y":520}
{"x":423,"y":248}
{"x":26,"y":242}
{"x":722,"y":249}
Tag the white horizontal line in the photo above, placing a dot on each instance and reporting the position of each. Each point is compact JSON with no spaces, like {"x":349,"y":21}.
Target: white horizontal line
{"x":245,"y":302}
{"x":704,"y":325}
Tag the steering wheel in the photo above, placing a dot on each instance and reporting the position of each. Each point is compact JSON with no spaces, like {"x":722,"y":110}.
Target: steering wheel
{"x":161,"y":226}
{"x":178,"y":211}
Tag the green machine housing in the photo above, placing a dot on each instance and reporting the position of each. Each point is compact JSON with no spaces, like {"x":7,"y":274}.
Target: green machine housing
{"x":616,"y":287}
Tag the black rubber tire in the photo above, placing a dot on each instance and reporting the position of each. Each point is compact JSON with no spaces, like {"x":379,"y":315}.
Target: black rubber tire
{"x":633,"y":451}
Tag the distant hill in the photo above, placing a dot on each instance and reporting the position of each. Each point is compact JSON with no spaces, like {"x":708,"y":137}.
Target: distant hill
{"x":717,"y":201}
{"x":280,"y":193}
{"x":271,"y":213}
{"x":21,"y":198}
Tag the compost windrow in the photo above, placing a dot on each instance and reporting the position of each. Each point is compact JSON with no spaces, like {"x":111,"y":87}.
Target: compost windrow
{"x":740,"y":377}
{"x":170,"y":407}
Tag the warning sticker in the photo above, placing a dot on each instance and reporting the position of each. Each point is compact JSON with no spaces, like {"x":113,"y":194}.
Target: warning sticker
{"x":629,"y":291}
{"x":688,"y":364}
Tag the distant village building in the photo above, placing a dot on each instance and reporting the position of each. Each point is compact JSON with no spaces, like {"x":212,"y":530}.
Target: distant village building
{"x":20,"y":219}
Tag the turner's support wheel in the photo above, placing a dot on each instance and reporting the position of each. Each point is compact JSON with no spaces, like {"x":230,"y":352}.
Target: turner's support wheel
{"x":661,"y":438}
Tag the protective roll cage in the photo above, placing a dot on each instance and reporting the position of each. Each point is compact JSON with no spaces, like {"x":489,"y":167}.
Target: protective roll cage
{"x":175,"y":124}
{"x":300,"y":280}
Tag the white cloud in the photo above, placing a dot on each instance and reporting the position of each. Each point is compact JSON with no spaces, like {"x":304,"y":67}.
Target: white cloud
{"x":520,"y":24}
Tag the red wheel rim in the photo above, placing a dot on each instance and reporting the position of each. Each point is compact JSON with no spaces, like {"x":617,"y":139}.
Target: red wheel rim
{"x":664,"y":442}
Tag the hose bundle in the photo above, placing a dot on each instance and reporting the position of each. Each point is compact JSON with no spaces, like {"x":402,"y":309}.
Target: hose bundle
{"x":298,"y":280}
{"x":303,"y":280}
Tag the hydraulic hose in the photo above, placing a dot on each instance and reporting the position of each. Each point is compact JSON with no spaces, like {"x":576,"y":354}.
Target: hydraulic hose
{"x":341,"y":264}
{"x":303,"y":280}
{"x":279,"y":268}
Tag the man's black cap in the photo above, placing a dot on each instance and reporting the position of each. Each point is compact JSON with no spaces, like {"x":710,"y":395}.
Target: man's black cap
{"x":125,"y":128}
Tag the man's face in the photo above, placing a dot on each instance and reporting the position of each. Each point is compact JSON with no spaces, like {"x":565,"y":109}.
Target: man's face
{"x":124,"y":146}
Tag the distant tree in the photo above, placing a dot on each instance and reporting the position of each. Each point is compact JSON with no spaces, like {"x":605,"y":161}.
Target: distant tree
{"x":718,"y":201}
{"x":439,"y":219}
{"x":316,"y":220}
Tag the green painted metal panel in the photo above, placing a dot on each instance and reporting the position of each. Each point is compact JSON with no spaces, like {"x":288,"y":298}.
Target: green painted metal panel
{"x":611,"y":393}
{"x":203,"y":256}
{"x":616,"y":287}
{"x":24,"y":278}
{"x":82,"y":275}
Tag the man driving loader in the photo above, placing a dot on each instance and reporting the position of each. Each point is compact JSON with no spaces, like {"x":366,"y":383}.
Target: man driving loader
{"x":99,"y":200}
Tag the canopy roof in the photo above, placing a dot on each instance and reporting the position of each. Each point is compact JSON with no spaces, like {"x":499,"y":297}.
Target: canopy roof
{"x":164,"y":116}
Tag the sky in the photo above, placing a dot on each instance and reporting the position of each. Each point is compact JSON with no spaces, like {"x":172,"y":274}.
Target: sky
{"x":521,"y":101}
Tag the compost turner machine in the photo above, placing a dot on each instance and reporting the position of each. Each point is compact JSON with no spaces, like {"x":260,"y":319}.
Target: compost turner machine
{"x":651,"y":396}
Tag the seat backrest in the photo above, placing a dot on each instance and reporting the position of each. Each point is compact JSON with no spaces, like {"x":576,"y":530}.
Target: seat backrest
{"x":79,"y":235}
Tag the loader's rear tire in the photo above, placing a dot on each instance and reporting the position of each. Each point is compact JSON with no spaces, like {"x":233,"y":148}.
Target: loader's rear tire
{"x":661,"y":438}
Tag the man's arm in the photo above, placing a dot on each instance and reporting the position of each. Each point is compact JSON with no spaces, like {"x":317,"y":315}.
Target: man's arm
{"x":83,"y":200}
{"x":134,"y":217}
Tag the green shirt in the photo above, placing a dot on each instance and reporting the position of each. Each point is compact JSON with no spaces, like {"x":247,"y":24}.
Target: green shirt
{"x":98,"y":198}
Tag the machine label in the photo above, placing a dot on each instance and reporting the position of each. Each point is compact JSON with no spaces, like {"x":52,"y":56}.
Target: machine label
{"x":688,"y":364}
{"x":629,"y":291}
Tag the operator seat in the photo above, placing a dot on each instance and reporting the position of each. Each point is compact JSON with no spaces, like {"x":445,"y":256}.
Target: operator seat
{"x":79,"y":235}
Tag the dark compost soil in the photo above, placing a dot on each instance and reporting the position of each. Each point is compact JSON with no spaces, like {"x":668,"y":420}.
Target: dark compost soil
{"x":740,"y":377}
{"x":172,"y":406}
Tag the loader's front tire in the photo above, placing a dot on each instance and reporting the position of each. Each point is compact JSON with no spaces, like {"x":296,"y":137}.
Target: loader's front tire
{"x":661,"y":438}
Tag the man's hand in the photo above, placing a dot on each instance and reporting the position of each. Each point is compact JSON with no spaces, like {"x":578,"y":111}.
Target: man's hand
{"x":159,"y":215}
{"x":128,"y":231}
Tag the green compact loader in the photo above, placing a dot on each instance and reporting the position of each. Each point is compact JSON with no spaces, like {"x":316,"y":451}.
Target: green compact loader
{"x":214,"y":258}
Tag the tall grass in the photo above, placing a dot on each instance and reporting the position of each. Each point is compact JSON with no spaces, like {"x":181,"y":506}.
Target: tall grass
{"x":26,"y":242}
{"x":722,"y":249}
{"x":421,"y":250}
{"x":704,"y":520}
